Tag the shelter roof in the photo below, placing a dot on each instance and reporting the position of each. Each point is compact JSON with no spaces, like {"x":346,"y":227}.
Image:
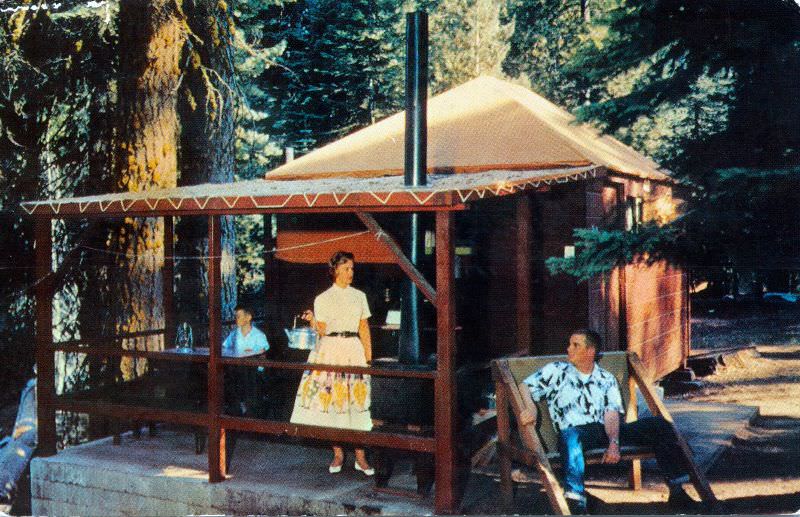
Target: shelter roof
{"x":484,"y":124}
{"x":324,"y":194}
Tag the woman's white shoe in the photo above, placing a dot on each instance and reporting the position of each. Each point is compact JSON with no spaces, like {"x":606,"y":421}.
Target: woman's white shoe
{"x":369,"y":471}
{"x":334,"y":469}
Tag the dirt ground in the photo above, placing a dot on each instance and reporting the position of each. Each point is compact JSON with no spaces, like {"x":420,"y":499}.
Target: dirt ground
{"x":760,"y":472}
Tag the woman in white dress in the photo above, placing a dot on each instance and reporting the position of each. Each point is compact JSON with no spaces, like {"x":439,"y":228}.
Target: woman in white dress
{"x":335,"y":399}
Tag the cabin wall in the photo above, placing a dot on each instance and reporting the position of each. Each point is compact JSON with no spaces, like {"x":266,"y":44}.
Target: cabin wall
{"x":606,"y":296}
{"x":639,"y":307}
{"x":560,"y":302}
{"x":499,"y":261}
{"x":653,"y":298}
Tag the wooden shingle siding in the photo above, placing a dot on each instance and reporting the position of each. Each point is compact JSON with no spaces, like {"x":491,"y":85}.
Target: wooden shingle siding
{"x":656,"y":315}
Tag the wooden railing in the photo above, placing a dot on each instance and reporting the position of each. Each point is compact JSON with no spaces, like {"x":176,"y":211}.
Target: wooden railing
{"x":96,"y":346}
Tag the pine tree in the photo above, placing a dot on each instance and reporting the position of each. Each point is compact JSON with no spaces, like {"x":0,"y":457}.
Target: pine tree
{"x":151,"y":37}
{"x":335,"y":72}
{"x":468,"y":39}
{"x":708,"y":88}
{"x":50,"y":126}
{"x":207,"y":135}
{"x":547,"y":34}
{"x":255,"y":50}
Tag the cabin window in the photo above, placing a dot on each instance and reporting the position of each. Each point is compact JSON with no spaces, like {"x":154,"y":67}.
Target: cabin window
{"x":633,"y":214}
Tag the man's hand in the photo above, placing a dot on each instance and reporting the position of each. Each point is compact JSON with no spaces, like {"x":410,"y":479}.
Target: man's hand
{"x":611,"y":424}
{"x":527,"y":417}
{"x":612,"y":454}
{"x":529,"y":413}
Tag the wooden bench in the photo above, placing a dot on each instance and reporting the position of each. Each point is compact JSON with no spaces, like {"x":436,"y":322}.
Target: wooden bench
{"x":536,"y":444}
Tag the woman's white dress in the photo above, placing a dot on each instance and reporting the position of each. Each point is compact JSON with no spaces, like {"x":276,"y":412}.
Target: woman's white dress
{"x":334,"y":399}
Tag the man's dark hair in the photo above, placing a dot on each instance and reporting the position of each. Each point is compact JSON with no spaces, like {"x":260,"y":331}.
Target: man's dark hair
{"x":244,"y":308}
{"x":593,"y":339}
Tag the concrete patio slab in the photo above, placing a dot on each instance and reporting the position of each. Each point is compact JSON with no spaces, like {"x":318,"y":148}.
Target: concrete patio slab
{"x":162,"y":475}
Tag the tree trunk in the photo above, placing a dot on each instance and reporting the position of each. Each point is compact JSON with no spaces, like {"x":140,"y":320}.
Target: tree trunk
{"x":207,"y":155}
{"x":586,"y":14}
{"x":94,"y":277}
{"x":151,"y":37}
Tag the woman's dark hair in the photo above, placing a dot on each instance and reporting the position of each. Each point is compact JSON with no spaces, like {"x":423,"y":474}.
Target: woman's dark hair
{"x":338,"y":258}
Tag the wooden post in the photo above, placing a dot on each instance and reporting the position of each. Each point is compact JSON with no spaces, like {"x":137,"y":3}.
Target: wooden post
{"x":643,"y":380}
{"x":270,"y":285}
{"x":504,"y":440}
{"x":687,"y":317}
{"x":622,"y":286}
{"x":631,"y":415}
{"x":168,"y":278}
{"x":524,"y":274}
{"x":45,"y":362}
{"x":216,"y":434}
{"x":447,"y":496}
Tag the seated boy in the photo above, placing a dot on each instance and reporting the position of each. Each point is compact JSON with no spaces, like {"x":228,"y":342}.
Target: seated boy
{"x":245,"y":339}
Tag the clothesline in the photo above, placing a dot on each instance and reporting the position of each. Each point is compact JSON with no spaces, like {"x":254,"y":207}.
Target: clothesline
{"x":24,"y":290}
{"x":205,"y":257}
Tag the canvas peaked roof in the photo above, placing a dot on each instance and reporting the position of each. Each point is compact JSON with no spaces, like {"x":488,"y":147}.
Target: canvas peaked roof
{"x":486,"y":138}
{"x":484,"y":124}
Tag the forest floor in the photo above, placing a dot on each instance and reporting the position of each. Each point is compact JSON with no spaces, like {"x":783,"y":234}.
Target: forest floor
{"x":759,"y":473}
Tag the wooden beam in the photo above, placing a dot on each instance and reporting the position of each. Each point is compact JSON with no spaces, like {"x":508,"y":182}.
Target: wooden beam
{"x":448,"y":492}
{"x":374,"y":438}
{"x":45,"y":361}
{"x":406,"y":265}
{"x":102,"y":350}
{"x":687,"y":317}
{"x":591,"y":456}
{"x":290,"y":365}
{"x":631,"y":415}
{"x":216,"y":433}
{"x":105,"y":340}
{"x":167,"y":278}
{"x":523,"y":263}
{"x":503,"y":441}
{"x":529,"y":437}
{"x":131,"y":412}
{"x":657,"y":407}
{"x":246,"y":206}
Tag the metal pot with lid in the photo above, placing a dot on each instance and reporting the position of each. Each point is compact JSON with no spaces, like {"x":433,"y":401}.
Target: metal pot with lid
{"x":301,"y":338}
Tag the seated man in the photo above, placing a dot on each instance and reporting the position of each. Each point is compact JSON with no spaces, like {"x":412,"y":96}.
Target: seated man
{"x":245,"y":339}
{"x":585,"y":404}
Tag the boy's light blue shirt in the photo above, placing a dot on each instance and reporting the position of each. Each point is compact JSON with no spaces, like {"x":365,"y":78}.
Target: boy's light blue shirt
{"x":255,"y":341}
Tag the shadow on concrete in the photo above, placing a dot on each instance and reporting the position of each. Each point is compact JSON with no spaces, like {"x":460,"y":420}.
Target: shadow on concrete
{"x":774,"y":380}
{"x":785,"y":356}
{"x":773,"y":504}
{"x":767,"y":449}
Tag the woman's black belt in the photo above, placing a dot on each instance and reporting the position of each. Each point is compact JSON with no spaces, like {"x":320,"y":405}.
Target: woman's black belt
{"x":343,"y":334}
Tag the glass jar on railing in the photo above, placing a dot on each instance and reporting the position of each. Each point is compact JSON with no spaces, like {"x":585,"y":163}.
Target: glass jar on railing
{"x":183,"y":338}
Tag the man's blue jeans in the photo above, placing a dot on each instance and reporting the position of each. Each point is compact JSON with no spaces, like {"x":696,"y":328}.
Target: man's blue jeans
{"x":653,"y":432}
